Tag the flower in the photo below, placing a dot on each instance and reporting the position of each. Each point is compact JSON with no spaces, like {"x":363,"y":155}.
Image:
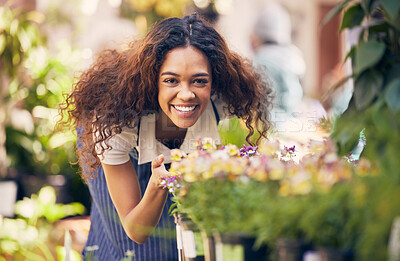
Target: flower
{"x":349,"y":157}
{"x":288,"y":154}
{"x":248,"y":151}
{"x":171,"y":183}
{"x":231,"y":149}
{"x":177,"y":155}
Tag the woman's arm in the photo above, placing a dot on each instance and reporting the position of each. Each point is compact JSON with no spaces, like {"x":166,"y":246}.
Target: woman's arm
{"x":139,"y":216}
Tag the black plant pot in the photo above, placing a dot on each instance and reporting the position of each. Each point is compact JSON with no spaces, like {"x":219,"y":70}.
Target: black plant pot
{"x":250,"y":253}
{"x":208,"y":246}
{"x":31,"y":184}
{"x":290,"y":249}
{"x":187,"y":251}
{"x":333,"y":254}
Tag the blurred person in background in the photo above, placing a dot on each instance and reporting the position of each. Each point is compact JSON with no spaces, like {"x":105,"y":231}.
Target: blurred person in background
{"x":283,"y":64}
{"x":274,"y":52}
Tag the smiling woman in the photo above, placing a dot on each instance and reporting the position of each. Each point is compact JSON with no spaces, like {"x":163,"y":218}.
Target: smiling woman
{"x":132,"y":107}
{"x":184,"y":87}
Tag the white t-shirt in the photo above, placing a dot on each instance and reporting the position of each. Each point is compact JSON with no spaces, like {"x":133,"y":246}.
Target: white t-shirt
{"x":149,"y":147}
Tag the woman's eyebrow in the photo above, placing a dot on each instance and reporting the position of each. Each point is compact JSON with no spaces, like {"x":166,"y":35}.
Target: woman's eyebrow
{"x":200,"y":74}
{"x":169,"y":73}
{"x":175,"y":74}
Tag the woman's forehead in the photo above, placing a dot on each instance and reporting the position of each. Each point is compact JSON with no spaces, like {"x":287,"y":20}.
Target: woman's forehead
{"x":185,"y":59}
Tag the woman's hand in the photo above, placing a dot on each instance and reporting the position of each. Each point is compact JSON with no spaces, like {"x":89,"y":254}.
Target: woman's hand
{"x":139,"y":215}
{"x":158,"y":171}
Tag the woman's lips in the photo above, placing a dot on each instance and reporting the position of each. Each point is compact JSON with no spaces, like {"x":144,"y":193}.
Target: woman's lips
{"x":185,"y":111}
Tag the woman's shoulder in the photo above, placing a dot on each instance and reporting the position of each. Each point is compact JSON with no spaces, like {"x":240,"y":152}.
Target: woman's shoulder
{"x":127,"y":138}
{"x":121,"y":144}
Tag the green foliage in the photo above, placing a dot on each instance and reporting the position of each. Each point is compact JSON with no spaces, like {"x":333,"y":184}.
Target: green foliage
{"x":375,"y":106}
{"x":61,"y":256}
{"x":43,"y":205}
{"x":229,"y":206}
{"x":43,"y":149}
{"x":368,"y":54}
{"x":27,"y":236}
{"x":283,"y":214}
{"x":376,"y":60}
{"x":392,"y":94}
{"x":35,"y":80}
{"x":18,"y":36}
{"x":334,"y":220}
{"x":234,"y":131}
{"x":146,"y":13}
{"x":352,"y":17}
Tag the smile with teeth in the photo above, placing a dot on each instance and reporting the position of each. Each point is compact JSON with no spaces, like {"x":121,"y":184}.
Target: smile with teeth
{"x":184,"y":108}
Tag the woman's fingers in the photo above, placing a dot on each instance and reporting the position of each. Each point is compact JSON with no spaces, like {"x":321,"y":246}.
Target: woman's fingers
{"x":157,"y":162}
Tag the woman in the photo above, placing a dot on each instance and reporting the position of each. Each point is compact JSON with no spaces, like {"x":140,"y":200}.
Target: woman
{"x":131,"y":107}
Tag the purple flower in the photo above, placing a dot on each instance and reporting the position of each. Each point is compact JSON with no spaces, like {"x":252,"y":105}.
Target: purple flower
{"x":248,"y":151}
{"x":288,"y":153}
{"x":350,"y":157}
{"x":171,"y":183}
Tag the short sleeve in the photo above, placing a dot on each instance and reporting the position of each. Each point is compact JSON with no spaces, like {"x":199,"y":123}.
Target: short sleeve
{"x":121,"y":144}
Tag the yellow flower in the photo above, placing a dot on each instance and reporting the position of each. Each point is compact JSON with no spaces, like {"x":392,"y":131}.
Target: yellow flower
{"x":176,"y":155}
{"x":218,"y":167}
{"x":363,"y":167}
{"x":345,"y":172}
{"x":284,"y":189}
{"x":190,"y":177}
{"x":269,"y":148}
{"x":302,"y":188}
{"x":194,"y":154}
{"x":232,"y":150}
{"x":207,"y":174}
{"x":258,"y":174}
{"x":208,"y":144}
{"x":276,"y":174}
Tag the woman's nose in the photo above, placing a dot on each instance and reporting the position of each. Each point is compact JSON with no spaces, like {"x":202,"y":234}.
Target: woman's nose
{"x":185,"y":92}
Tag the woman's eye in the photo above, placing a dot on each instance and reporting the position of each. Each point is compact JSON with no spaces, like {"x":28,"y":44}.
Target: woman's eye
{"x":200,"y":81}
{"x":171,"y":81}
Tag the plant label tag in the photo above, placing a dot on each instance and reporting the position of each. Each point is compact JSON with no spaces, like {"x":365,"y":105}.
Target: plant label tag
{"x":189,"y":244}
{"x":394,"y":241}
{"x":178,"y":237}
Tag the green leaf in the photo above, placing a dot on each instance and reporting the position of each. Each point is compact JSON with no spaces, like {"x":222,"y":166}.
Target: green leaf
{"x":350,"y":54}
{"x":173,"y":208}
{"x":391,"y":7}
{"x":392,"y":95}
{"x":393,"y":73}
{"x":369,"y":5}
{"x":352,"y":17}
{"x":336,"y":86}
{"x":366,"y":87}
{"x":368,"y":54}
{"x":339,"y":7}
{"x":3,"y":43}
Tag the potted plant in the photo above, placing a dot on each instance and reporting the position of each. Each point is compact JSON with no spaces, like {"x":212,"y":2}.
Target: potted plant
{"x":219,"y":193}
{"x":272,"y":199}
{"x":375,"y":60}
{"x":29,"y":235}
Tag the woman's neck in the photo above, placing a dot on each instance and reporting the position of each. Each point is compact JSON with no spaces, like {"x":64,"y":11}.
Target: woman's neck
{"x":168,"y":133}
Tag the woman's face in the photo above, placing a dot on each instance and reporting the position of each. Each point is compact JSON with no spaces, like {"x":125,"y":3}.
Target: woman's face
{"x":184,"y":86}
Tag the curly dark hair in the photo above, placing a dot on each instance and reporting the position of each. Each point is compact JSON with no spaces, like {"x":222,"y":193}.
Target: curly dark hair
{"x":121,"y":86}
